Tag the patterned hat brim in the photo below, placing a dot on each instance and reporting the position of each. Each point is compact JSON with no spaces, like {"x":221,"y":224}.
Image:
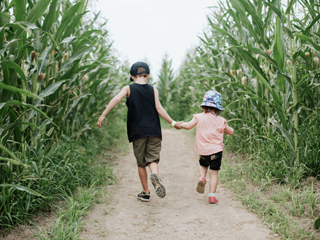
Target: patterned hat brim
{"x":212,"y":105}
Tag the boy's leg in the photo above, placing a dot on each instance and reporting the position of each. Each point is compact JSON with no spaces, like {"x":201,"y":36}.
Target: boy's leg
{"x":139,"y":146}
{"x":153,"y":167}
{"x":152,"y":157}
{"x":156,"y":181}
{"x":143,"y":175}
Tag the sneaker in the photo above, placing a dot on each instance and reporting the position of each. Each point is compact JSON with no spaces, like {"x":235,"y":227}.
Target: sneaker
{"x":212,"y":199}
{"x":145,"y":197}
{"x":201,"y":185}
{"x":157,"y":184}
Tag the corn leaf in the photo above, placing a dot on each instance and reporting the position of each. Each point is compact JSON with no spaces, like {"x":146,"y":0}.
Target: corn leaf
{"x":307,"y":30}
{"x":20,"y":10}
{"x":50,"y":18}
{"x":38,"y":10}
{"x":284,"y":133}
{"x":291,"y":3}
{"x":21,"y":188}
{"x":19,"y":90}
{"x":13,"y":161}
{"x":15,"y":102}
{"x":75,"y":57}
{"x":305,"y":133}
{"x":274,"y":9}
{"x":16,"y":67}
{"x":13,"y":157}
{"x":305,"y":38}
{"x":68,"y":15}
{"x":279,"y":54}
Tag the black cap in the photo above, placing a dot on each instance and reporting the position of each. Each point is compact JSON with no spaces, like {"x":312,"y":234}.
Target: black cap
{"x":135,"y":66}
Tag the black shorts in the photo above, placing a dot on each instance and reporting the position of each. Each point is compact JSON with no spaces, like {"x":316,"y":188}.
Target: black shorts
{"x":213,"y":160}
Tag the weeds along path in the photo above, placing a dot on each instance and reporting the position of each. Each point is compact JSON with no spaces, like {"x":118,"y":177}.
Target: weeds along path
{"x":182,"y":214}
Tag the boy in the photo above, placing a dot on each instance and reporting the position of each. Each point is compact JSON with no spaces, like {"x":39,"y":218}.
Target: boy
{"x":143,"y":126}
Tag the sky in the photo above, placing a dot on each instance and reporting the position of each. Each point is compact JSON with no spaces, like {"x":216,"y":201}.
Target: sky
{"x":146,"y":30}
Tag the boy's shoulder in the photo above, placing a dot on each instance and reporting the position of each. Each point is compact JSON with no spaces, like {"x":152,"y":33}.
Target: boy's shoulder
{"x":139,"y":84}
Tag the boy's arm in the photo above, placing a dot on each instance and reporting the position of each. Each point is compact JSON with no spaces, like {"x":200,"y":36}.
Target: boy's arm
{"x":162,"y":112}
{"x":229,"y":130}
{"x":114,"y":101}
{"x":190,"y":124}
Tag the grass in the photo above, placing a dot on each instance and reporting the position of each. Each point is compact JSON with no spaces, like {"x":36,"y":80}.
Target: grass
{"x":68,"y":170}
{"x":68,"y":224}
{"x":289,"y":209}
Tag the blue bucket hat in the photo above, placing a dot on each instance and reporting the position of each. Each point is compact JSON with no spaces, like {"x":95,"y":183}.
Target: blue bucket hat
{"x":212,"y":99}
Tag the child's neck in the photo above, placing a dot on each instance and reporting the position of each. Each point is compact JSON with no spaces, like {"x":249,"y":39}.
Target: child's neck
{"x":140,"y":80}
{"x":209,"y":111}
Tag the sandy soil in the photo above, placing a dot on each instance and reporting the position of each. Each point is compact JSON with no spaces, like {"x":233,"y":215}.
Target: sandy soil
{"x":182,"y":214}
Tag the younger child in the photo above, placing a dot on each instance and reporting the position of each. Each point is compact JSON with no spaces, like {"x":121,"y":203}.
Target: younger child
{"x":143,"y":126}
{"x":209,"y":140}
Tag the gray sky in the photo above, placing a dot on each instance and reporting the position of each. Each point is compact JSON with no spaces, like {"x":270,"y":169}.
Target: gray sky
{"x":149,"y":29}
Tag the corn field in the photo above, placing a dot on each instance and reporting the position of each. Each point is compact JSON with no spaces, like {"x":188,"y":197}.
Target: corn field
{"x":57,"y":72}
{"x":263,"y":57}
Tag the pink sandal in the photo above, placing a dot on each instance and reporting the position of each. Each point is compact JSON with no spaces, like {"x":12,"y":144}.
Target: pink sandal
{"x":212,"y":199}
{"x":201,"y":185}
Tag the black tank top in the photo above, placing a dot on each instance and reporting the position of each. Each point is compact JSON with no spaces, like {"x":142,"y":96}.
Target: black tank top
{"x":142,"y":118}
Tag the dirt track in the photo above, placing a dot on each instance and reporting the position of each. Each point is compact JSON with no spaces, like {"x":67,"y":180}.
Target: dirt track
{"x":182,"y":214}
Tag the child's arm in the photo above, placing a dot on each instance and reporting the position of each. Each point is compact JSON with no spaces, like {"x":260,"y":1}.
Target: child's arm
{"x":114,"y":101}
{"x":190,"y":124}
{"x":229,"y":130}
{"x":162,"y":112}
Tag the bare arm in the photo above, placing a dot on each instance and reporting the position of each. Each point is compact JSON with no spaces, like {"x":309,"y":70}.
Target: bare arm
{"x":229,"y":130}
{"x":162,"y":112}
{"x":190,"y":124}
{"x":114,"y":101}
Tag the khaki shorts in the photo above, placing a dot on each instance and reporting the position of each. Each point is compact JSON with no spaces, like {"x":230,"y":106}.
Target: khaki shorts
{"x":147,"y":150}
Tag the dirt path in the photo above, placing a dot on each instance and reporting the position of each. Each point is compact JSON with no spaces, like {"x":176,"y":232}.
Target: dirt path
{"x":182,"y":214}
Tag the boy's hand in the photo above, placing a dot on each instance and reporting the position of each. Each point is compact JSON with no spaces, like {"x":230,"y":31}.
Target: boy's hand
{"x":100,"y":121}
{"x":178,"y":125}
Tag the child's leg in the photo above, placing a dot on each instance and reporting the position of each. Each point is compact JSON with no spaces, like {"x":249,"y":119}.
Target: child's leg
{"x":202,"y":180}
{"x":203,"y":171}
{"x":213,"y":180}
{"x":143,"y":175}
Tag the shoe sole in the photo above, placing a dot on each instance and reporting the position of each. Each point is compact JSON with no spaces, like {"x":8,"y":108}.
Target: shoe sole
{"x":143,"y":199}
{"x":158,"y":187}
{"x":213,"y":202}
{"x":200,"y":187}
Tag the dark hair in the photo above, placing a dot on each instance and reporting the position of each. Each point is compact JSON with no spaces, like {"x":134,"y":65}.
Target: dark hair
{"x":212,"y":109}
{"x":142,"y":74}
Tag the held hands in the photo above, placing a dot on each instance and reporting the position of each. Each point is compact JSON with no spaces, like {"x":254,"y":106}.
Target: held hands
{"x":178,"y":125}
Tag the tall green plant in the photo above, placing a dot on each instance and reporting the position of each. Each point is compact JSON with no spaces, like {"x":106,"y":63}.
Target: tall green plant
{"x":166,"y":84}
{"x":57,"y":72}
{"x":258,"y":54}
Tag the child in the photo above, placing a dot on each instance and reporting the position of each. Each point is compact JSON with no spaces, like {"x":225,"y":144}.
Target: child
{"x":143,"y":126}
{"x":209,"y":140}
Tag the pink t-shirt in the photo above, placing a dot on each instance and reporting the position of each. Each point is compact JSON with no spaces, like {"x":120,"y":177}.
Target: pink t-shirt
{"x":209,"y":135}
